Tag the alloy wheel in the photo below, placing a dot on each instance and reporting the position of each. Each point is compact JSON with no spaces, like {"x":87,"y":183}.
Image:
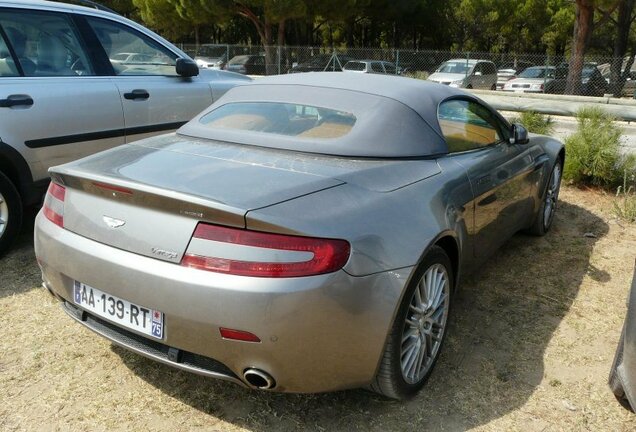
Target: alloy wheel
{"x":4,"y":215}
{"x":425,"y":324}
{"x":551,"y":196}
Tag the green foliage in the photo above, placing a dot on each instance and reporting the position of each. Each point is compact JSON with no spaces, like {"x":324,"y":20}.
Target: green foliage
{"x":423,"y":75}
{"x":535,"y":122}
{"x":625,"y":202}
{"x":593,"y":154}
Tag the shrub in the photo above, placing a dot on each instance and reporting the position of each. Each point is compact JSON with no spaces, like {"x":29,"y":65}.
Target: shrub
{"x":535,"y":122}
{"x":625,"y":203}
{"x":593,"y":154}
{"x":423,"y":75}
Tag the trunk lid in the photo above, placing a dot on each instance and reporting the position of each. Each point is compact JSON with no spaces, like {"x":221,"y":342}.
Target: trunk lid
{"x":148,"y":197}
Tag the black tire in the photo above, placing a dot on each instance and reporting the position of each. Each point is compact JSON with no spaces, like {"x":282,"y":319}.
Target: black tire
{"x":539,"y":226}
{"x":469,"y":86}
{"x":389,"y":380}
{"x":614,"y":381}
{"x":494,"y":87}
{"x":11,"y":198}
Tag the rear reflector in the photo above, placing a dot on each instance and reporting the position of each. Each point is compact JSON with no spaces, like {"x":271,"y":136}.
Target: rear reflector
{"x":240,"y":335}
{"x":252,"y":253}
{"x":53,"y":208}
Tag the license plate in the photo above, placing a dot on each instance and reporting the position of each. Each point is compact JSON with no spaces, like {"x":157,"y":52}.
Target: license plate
{"x":144,"y":320}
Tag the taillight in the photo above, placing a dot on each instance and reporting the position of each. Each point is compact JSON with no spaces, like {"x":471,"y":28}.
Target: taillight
{"x":252,"y":253}
{"x":54,"y":204}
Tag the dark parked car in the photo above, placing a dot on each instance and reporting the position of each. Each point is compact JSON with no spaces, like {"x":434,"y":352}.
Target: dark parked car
{"x":622,"y":379}
{"x":322,"y":63}
{"x":247,"y":64}
{"x":592,"y":81}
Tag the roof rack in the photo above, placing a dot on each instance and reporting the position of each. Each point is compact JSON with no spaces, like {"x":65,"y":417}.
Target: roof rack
{"x":88,"y":3}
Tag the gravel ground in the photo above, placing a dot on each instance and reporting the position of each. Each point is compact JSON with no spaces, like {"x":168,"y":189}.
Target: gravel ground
{"x":530,"y":343}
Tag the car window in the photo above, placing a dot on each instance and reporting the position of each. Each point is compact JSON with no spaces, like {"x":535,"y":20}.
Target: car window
{"x":45,"y":43}
{"x":355,"y":66}
{"x":376,"y":67}
{"x":7,"y":63}
{"x":489,"y":69}
{"x":143,"y":56}
{"x":280,"y":118}
{"x":390,"y":68}
{"x":259,"y":61}
{"x":479,"y":67}
{"x":467,"y":125}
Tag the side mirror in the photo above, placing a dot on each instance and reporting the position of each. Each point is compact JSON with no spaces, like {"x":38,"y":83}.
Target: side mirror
{"x":478,"y":73}
{"x":518,"y":134}
{"x":186,"y":68}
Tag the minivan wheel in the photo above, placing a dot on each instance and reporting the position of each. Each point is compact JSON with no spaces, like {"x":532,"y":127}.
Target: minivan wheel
{"x":418,"y":331}
{"x":10,"y":213}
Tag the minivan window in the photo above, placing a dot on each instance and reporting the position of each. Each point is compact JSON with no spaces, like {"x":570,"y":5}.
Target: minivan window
{"x":45,"y":43}
{"x":132,"y":53}
{"x":7,"y":63}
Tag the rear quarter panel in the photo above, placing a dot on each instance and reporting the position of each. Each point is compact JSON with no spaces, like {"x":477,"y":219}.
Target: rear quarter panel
{"x":387,"y":230}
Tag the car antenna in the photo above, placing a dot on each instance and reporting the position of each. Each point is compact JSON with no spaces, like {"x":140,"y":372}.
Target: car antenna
{"x":89,"y":3}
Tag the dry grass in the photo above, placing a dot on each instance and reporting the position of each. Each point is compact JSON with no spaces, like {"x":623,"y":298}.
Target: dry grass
{"x":530,"y":345}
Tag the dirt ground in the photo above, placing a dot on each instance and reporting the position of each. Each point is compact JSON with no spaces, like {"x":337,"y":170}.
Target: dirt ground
{"x":530,"y":343}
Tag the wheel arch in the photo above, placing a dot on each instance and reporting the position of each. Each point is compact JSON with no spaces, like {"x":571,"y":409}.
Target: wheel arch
{"x":16,"y":169}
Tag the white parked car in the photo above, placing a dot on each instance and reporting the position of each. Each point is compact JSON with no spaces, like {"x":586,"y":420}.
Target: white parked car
{"x":371,"y":66}
{"x":66,"y":91}
{"x":465,"y":73}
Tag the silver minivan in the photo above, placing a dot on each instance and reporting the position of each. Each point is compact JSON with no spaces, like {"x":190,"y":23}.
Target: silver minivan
{"x":466,"y":73}
{"x":75,"y":81}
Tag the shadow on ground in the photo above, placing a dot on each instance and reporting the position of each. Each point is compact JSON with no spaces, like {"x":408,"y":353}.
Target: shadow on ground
{"x":18,"y":269}
{"x":502,"y":320}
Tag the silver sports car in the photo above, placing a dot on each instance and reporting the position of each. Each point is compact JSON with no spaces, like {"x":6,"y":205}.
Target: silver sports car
{"x":305,"y":233}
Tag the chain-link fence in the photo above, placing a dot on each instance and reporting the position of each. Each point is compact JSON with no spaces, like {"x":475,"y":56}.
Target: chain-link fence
{"x":522,"y":73}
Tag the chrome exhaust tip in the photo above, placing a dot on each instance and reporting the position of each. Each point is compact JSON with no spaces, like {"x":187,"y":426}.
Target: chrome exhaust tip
{"x":258,"y":379}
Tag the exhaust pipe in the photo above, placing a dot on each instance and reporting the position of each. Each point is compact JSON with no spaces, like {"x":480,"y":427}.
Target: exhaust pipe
{"x":258,"y":379}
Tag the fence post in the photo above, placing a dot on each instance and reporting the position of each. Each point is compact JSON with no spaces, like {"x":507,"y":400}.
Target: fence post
{"x":467,"y":61}
{"x":397,"y":61}
{"x":545,"y":73}
{"x":278,"y":54}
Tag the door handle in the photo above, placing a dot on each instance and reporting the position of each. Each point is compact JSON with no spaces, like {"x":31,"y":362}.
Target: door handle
{"x":137,"y":94}
{"x":16,"y":100}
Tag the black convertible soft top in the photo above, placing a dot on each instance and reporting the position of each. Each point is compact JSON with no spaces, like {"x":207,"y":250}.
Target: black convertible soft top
{"x":395,"y":116}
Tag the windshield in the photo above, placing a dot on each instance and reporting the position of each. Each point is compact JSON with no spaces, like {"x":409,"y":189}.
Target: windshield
{"x":238,"y":59}
{"x":588,"y":71}
{"x":454,"y":67}
{"x":537,"y":72}
{"x":281,"y":119}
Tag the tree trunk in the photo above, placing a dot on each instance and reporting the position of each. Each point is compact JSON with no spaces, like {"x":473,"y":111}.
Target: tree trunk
{"x":623,"y":25}
{"x":583,"y":28}
{"x":350,"y":31}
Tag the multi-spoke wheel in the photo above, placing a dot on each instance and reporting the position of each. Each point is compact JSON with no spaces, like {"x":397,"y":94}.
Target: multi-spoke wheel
{"x":425,"y":323}
{"x":10,"y":213}
{"x":419,"y":328}
{"x":545,"y":216}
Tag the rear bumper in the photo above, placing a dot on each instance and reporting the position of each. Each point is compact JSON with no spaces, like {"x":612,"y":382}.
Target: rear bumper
{"x":318,"y":333}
